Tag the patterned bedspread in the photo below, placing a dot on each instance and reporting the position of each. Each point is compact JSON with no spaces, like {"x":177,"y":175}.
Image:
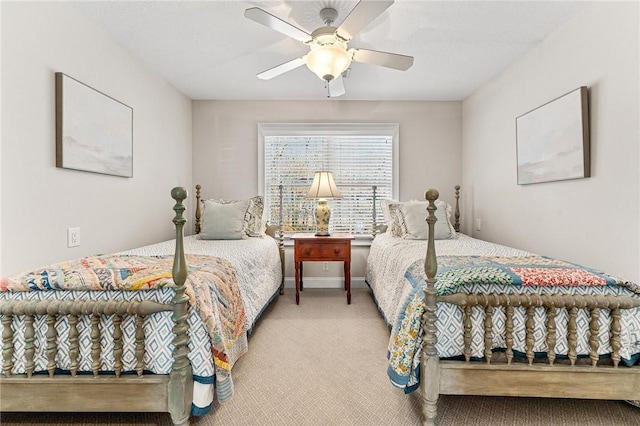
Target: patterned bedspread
{"x":256,"y":261}
{"x":389,"y":258}
{"x":498,"y":274}
{"x":211,"y":286}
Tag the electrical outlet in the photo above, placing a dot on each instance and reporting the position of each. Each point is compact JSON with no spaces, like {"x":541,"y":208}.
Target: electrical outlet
{"x":325,"y":266}
{"x":73,"y":237}
{"x":478,"y":224}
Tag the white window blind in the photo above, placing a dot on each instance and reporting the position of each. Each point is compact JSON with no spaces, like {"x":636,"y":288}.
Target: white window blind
{"x":359,"y":159}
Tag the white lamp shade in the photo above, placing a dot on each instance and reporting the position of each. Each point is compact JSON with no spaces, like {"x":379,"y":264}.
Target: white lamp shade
{"x":323,"y":186}
{"x":328,"y":61}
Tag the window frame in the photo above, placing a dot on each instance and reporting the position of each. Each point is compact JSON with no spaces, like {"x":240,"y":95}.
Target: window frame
{"x":331,"y":129}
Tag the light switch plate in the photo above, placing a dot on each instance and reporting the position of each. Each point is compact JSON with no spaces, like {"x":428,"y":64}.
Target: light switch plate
{"x":73,"y":237}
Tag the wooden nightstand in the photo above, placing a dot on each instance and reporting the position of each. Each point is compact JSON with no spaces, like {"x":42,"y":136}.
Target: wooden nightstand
{"x":309,"y":248}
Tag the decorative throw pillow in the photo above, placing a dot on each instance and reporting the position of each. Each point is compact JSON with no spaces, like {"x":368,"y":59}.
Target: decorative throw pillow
{"x":398,"y":227}
{"x":384,"y":206}
{"x":391,"y":213}
{"x":415,"y":226}
{"x":254,"y":225}
{"x":447,"y":207}
{"x":223,"y":221}
{"x":252,"y":222}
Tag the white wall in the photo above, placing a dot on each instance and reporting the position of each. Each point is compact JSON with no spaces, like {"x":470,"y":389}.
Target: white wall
{"x":40,"y":201}
{"x":225,"y":147}
{"x":591,"y":221}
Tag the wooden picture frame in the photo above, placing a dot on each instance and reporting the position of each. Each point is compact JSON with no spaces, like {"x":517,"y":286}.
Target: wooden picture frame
{"x":94,"y":132}
{"x":553,"y":140}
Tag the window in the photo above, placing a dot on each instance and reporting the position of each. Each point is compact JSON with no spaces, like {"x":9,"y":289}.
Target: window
{"x":359,"y":156}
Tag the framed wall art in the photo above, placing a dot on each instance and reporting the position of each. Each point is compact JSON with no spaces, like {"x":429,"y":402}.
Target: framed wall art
{"x":553,"y":140}
{"x":94,"y":132}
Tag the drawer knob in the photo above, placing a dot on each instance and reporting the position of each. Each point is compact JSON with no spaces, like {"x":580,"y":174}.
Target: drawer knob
{"x":307,"y":251}
{"x":336,"y":251}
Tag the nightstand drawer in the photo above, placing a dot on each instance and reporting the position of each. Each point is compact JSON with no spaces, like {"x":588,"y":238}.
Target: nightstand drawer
{"x":324,"y":251}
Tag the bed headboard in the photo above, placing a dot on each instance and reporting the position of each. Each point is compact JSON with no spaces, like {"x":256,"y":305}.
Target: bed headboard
{"x":271,"y":229}
{"x":456,"y":214}
{"x":198,"y":209}
{"x":375,"y":229}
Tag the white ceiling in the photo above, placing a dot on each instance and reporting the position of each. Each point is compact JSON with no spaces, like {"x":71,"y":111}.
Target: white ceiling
{"x":209,"y":50}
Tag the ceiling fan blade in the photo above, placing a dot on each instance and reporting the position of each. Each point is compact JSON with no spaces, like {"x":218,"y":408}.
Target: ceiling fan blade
{"x":360,"y":16}
{"x":383,"y":59}
{"x":281,"y":69}
{"x":336,"y":87}
{"x":277,"y":24}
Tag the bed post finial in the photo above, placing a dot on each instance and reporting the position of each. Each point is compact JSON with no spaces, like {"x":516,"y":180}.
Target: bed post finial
{"x":374,"y":231}
{"x":456,"y":223}
{"x":198,"y":208}
{"x":430,"y":363}
{"x":180,"y":395}
{"x":179,"y":265}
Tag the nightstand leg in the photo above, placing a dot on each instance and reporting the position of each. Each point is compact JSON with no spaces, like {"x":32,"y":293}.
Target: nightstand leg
{"x":298,"y":265}
{"x":301,"y":277}
{"x":347,"y":280}
{"x":345,"y":275}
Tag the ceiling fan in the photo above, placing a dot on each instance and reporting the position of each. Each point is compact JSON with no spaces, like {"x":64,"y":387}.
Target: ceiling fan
{"x":329,"y":55}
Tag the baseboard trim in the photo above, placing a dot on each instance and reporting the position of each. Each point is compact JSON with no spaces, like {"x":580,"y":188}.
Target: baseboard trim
{"x":328,"y":282}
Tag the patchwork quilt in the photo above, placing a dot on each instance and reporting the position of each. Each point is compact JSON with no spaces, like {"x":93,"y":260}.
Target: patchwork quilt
{"x":211,"y":286}
{"x":497,"y":274}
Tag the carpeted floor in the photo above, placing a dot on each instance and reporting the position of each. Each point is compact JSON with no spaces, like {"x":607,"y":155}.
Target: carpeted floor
{"x":323,"y":363}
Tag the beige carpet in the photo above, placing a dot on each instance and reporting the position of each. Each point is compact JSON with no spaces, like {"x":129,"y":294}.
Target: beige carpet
{"x":323,"y":363}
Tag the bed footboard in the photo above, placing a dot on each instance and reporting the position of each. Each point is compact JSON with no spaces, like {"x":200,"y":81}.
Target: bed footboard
{"x":532,"y":376}
{"x":597,"y":379}
{"x":100,"y":391}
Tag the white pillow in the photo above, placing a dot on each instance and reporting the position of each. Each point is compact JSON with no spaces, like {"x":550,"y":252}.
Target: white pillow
{"x":223,"y":221}
{"x":414,"y":224}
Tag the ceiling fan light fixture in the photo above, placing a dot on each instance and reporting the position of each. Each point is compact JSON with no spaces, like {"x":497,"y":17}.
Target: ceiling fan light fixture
{"x":328,"y":61}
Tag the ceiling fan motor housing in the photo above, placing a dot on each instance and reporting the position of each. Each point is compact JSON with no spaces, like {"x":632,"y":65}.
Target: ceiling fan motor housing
{"x":326,"y":35}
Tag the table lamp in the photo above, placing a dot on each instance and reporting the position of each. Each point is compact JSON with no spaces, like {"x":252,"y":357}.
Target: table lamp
{"x":323,"y":187}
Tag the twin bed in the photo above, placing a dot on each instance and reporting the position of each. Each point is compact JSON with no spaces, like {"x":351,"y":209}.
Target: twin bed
{"x":485,"y":319}
{"x":494,"y":321}
{"x":145,"y":341}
